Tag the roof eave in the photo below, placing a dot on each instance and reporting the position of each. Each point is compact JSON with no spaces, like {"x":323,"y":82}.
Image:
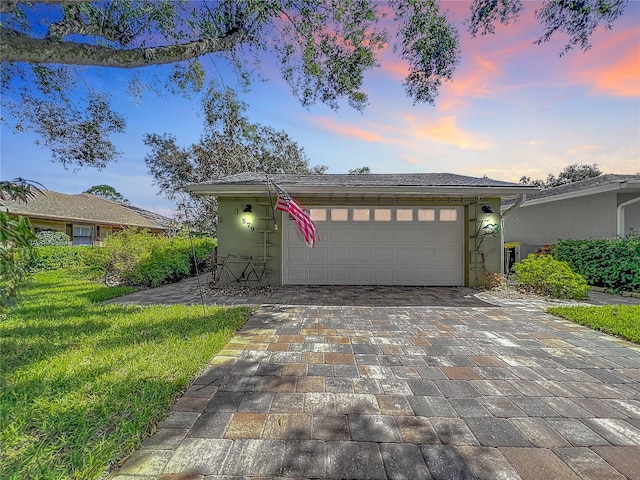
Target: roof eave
{"x":78,"y":220}
{"x":610,"y":187}
{"x":240,"y":190}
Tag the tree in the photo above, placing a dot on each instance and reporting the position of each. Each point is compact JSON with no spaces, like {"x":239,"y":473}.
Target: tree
{"x":360,"y":171}
{"x":15,"y":240}
{"x":570,"y":174}
{"x":108,"y":192}
{"x":322,"y":48}
{"x":230,"y":145}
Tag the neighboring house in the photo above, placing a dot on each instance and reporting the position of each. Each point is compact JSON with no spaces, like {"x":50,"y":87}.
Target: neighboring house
{"x":607,"y":206}
{"x":414,"y":229}
{"x":86,"y":218}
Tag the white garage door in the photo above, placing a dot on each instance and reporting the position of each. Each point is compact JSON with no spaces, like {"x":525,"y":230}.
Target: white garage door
{"x":377,"y":246}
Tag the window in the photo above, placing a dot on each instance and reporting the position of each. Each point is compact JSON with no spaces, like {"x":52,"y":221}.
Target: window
{"x":382,"y":214}
{"x":448,"y":214}
{"x":339,"y":214}
{"x":404,"y":215}
{"x":318,"y":214}
{"x":361,"y":215}
{"x":82,"y":235}
{"x":426,"y":215}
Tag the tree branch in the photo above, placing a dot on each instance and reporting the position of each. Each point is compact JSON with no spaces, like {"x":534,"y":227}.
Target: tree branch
{"x":74,"y":24}
{"x":10,"y":6}
{"x":18,"y":47}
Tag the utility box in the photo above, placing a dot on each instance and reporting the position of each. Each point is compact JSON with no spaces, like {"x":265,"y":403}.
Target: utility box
{"x":512,"y":254}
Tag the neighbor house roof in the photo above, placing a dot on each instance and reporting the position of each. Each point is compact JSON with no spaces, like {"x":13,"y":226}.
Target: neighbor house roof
{"x":86,"y":208}
{"x":590,"y":186}
{"x":417,"y":184}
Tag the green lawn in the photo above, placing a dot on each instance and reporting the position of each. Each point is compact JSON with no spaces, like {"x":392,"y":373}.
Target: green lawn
{"x":620,"y":320}
{"x":82,"y":382}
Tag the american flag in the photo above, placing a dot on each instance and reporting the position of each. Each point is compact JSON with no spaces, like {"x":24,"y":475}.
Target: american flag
{"x":304,"y":223}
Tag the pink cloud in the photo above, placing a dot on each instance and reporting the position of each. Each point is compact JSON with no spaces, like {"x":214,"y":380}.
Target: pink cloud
{"x":582,"y":149}
{"x":616,"y":74}
{"x":445,"y":130}
{"x":348,"y":130}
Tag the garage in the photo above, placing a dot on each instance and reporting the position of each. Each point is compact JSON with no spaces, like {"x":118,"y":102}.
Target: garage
{"x":414,"y":229}
{"x":362,"y":245}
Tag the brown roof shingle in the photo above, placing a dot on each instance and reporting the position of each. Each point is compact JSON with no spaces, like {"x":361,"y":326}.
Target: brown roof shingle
{"x":85,"y":207}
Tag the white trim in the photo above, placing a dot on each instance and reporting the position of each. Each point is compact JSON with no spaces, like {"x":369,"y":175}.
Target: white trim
{"x":620,"y":216}
{"x":582,"y":193}
{"x":349,"y":190}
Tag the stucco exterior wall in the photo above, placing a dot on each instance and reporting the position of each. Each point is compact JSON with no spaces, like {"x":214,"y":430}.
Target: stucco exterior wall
{"x":245,"y":234}
{"x":485,"y":252}
{"x":250,"y":234}
{"x":592,"y":216}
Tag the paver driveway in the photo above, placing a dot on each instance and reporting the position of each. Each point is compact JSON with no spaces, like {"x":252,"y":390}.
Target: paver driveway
{"x":405,"y":392}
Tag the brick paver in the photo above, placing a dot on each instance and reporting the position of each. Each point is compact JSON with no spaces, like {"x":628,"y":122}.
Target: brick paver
{"x":419,"y":392}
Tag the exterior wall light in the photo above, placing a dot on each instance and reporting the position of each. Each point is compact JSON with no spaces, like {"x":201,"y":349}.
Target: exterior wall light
{"x":487,"y":209}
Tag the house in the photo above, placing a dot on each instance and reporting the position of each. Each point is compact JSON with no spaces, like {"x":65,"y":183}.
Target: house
{"x":86,"y":218}
{"x":405,"y":229}
{"x":607,"y":206}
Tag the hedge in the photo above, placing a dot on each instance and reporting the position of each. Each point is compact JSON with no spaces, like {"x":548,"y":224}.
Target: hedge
{"x":545,"y":275}
{"x":612,"y":264}
{"x":131,"y":258}
{"x":144,"y":259}
{"x":55,"y":257}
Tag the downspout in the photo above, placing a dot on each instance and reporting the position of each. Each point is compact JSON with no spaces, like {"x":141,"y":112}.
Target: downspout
{"x":519,"y":202}
{"x":620,"y":216}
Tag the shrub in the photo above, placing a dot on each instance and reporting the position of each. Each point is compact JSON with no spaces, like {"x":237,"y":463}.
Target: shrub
{"x":51,"y":238}
{"x":143,"y":259}
{"x":612,"y":264}
{"x":545,"y":275}
{"x":495,"y":281}
{"x":54,"y":257}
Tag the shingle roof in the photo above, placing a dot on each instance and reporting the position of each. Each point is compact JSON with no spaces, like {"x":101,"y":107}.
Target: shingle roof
{"x":371,"y":185}
{"x":85,"y":207}
{"x":600,"y":181}
{"x":404,"y":179}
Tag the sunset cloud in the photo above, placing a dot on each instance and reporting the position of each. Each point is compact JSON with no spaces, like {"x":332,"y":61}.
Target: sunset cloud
{"x":445,"y":130}
{"x":348,"y":130}
{"x":581,"y":149}
{"x":621,"y":78}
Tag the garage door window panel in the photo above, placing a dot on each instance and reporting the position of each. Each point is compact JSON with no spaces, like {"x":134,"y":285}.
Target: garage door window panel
{"x":318,"y":214}
{"x":426,"y":214}
{"x":404,"y":215}
{"x":448,"y":215}
{"x":339,"y":214}
{"x":382,"y":215}
{"x":361,"y":214}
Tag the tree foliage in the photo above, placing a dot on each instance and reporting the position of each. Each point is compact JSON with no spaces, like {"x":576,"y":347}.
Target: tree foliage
{"x":360,"y":171}
{"x":322,"y":48}
{"x":570,"y":174}
{"x":108,"y":192}
{"x":231,"y":144}
{"x":16,"y":235}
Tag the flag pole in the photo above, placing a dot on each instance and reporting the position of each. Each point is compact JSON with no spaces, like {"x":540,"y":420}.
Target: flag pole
{"x":273,"y":212}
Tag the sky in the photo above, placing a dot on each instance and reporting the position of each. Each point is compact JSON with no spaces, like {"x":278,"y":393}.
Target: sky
{"x":513,"y":109}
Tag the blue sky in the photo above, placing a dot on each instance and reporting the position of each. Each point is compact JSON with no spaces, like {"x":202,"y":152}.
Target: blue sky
{"x":513,"y":109}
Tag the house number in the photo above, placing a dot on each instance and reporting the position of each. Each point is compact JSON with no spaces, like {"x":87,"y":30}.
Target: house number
{"x":248,"y":224}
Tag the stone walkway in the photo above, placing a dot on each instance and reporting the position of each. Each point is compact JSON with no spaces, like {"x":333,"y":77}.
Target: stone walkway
{"x":405,"y":392}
